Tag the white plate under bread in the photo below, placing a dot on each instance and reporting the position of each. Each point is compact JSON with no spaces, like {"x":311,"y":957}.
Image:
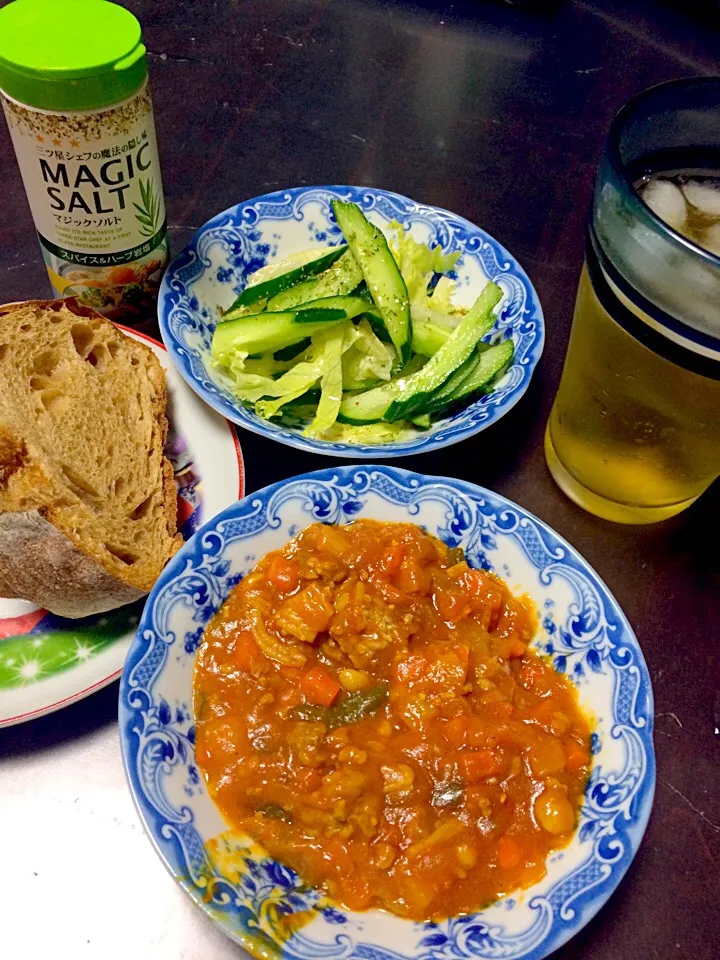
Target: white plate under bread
{"x":87,"y":497}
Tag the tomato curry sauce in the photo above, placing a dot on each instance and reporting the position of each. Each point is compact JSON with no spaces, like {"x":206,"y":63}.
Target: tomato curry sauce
{"x":368,"y":710}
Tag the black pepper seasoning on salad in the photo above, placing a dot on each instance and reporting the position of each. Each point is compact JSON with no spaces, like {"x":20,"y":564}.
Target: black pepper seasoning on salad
{"x":81,"y":121}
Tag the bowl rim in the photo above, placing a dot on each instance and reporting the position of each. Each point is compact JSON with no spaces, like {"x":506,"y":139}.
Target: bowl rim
{"x":167,"y":299}
{"x":643,"y":800}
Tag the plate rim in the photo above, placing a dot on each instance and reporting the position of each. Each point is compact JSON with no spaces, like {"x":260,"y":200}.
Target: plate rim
{"x":346,"y":451}
{"x":115,"y":674}
{"x":636,"y":828}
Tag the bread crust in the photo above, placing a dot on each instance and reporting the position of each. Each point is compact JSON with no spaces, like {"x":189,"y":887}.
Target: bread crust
{"x":40,"y":564}
{"x":41,"y":557}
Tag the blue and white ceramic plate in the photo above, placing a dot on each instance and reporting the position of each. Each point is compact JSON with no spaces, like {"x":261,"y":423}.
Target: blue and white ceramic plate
{"x":582,"y":629}
{"x":213,"y":269}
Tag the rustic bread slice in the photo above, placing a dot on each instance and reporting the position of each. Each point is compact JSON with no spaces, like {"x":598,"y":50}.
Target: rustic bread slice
{"x":87,"y":498}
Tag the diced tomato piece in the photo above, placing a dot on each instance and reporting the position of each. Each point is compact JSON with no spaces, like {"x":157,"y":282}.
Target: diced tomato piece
{"x":501,"y":709}
{"x":392,"y":559}
{"x":332,"y":540}
{"x":476,"y":765}
{"x":477,"y":581}
{"x":576,"y":757}
{"x":487,"y":729}
{"x":305,"y":614}
{"x":337,"y":856}
{"x":413,"y":577}
{"x":411,"y":669}
{"x":510,"y":852}
{"x":455,"y":731}
{"x":307,"y":780}
{"x":247,"y":651}
{"x":318,"y":686}
{"x":451,"y":605}
{"x":477,"y":732}
{"x":283,"y":574}
{"x":487,"y":597}
{"x":358,"y":892}
{"x":531,"y":672}
{"x":463,"y":654}
{"x":390,"y":833}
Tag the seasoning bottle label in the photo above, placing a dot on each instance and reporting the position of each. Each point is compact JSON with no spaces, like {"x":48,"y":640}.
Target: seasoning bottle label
{"x":95,"y":192}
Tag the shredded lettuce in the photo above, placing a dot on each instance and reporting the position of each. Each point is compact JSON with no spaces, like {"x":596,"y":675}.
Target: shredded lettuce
{"x":293,"y":384}
{"x":443,"y":293}
{"x":253,"y":379}
{"x":368,"y":358}
{"x":331,"y":382}
{"x":304,"y":391}
{"x":249,"y":387}
{"x":418,"y":265}
{"x":267,"y":366}
{"x":322,"y":362}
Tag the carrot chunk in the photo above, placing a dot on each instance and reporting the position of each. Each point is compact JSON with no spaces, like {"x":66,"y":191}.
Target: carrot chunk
{"x":477,"y":765}
{"x":576,"y":757}
{"x":509,"y":852}
{"x":319,"y":687}
{"x":410,"y":669}
{"x":455,"y":731}
{"x":247,"y":651}
{"x":392,"y":559}
{"x":283,"y":574}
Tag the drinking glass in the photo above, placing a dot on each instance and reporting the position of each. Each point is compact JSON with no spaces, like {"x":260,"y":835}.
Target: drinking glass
{"x":634,"y":433}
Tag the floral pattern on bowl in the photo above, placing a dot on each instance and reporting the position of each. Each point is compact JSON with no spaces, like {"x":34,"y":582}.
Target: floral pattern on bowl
{"x":210,"y":272}
{"x":250,"y":896}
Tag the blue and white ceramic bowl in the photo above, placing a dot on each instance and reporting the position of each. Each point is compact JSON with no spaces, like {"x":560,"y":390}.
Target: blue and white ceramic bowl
{"x":582,"y":629}
{"x":213,"y":268}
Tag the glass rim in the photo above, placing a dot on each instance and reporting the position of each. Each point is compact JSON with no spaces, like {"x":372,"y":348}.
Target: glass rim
{"x":622,"y":118}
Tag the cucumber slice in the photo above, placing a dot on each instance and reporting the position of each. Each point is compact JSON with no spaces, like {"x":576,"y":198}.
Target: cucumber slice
{"x":447,"y":388}
{"x":370,"y":249}
{"x":378,"y":325}
{"x":269,"y":331}
{"x":369,"y":406}
{"x":492,"y":364}
{"x":294,"y":350}
{"x":487,"y":367}
{"x":353,"y":386}
{"x":351,"y":307}
{"x":422,"y":421}
{"x":270,"y":288}
{"x":439,"y":398}
{"x":341,"y":279}
{"x":411,"y":399}
{"x":427,"y":338}
{"x":404,"y":397}
{"x":273,"y":331}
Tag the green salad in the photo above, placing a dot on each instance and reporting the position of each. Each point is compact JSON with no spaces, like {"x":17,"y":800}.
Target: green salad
{"x":359,"y":343}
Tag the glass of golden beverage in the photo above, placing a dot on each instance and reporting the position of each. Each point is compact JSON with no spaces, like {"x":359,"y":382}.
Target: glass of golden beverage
{"x":634,"y":433}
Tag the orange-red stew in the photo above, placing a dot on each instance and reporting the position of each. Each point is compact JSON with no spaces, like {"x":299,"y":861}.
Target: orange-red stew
{"x":368,"y":710}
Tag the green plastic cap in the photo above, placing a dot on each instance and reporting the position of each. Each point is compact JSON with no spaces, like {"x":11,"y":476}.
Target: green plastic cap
{"x":70,"y":54}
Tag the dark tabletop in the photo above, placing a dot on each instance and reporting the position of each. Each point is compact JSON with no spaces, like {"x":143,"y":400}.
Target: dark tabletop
{"x":497,"y":113}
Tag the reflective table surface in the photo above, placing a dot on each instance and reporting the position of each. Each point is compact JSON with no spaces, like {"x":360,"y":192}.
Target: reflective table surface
{"x":496,"y":112}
